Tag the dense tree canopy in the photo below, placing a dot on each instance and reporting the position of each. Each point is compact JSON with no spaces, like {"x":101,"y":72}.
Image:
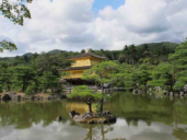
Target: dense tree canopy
{"x":102,"y":72}
{"x":179,"y":63}
{"x":151,"y":65}
{"x":33,"y":73}
{"x":144,"y":68}
{"x":163,"y":76}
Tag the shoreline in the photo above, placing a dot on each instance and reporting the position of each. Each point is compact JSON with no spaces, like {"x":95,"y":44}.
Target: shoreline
{"x":18,"y":96}
{"x":13,"y":96}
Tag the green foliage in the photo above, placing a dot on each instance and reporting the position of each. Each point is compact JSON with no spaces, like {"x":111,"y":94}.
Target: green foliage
{"x":124,"y":77}
{"x":6,"y":45}
{"x":135,"y":67}
{"x":49,"y":81}
{"x":152,"y":53}
{"x":141,"y":76}
{"x":145,"y":67}
{"x":133,"y":76}
{"x":33,"y":73}
{"x":22,"y":77}
{"x":15,"y":11}
{"x":85,"y":93}
{"x":5,"y":77}
{"x":32,"y":88}
{"x":102,"y":72}
{"x":179,"y":61}
{"x":163,"y":76}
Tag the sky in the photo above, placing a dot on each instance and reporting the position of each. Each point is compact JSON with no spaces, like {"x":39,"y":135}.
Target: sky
{"x":96,"y":24}
{"x":100,"y":4}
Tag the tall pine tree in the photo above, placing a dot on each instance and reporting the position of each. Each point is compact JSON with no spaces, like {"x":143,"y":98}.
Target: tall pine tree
{"x":179,"y":61}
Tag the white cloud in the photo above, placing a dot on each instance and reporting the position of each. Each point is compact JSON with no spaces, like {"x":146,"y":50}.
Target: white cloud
{"x":141,"y":21}
{"x":72,"y":25}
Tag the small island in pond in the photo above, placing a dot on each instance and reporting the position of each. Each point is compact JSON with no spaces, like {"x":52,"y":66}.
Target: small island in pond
{"x":89,"y":96}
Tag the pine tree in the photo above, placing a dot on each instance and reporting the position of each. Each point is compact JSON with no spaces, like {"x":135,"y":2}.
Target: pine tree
{"x":179,"y":61}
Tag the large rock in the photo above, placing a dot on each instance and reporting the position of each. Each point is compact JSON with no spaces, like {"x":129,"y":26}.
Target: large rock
{"x":185,"y":88}
{"x":6,"y":97}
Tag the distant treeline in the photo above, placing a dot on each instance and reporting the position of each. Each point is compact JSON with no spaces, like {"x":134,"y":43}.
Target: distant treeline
{"x":33,"y":73}
{"x":155,"y":52}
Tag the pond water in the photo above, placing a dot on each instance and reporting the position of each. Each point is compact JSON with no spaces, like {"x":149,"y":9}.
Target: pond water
{"x":138,"y":118}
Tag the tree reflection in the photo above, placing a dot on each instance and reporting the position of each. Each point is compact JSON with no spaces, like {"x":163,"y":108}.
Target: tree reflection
{"x":148,"y":109}
{"x":180,"y":133}
{"x":98,"y":132}
{"x":131,"y":109}
{"x":25,"y":114}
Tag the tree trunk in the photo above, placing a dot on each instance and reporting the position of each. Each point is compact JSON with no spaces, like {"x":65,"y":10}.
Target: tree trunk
{"x":102,"y":100}
{"x":90,"y":108}
{"x":8,"y":86}
{"x":101,"y":105}
{"x":24,"y":85}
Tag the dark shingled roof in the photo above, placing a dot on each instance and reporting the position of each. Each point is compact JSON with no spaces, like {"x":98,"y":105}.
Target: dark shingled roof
{"x":87,"y":55}
{"x":77,"y":68}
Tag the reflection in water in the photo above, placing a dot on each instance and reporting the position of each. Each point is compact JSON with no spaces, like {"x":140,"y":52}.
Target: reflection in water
{"x":54,"y":131}
{"x":180,"y":133}
{"x":25,"y":114}
{"x":139,"y":118}
{"x":66,"y":131}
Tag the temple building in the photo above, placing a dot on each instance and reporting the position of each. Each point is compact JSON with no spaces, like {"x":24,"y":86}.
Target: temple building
{"x":80,"y":64}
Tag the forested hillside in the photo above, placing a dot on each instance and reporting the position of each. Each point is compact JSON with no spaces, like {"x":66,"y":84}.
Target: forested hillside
{"x":135,"y":54}
{"x":33,"y":73}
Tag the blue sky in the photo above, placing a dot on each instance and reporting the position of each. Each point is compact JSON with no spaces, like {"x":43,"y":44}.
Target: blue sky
{"x":100,"y":4}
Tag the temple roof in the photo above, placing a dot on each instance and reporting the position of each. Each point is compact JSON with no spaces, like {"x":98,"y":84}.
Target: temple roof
{"x":77,"y":68}
{"x":87,"y":55}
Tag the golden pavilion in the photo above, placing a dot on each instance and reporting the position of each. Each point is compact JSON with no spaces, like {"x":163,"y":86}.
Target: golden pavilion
{"x":81,"y":63}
